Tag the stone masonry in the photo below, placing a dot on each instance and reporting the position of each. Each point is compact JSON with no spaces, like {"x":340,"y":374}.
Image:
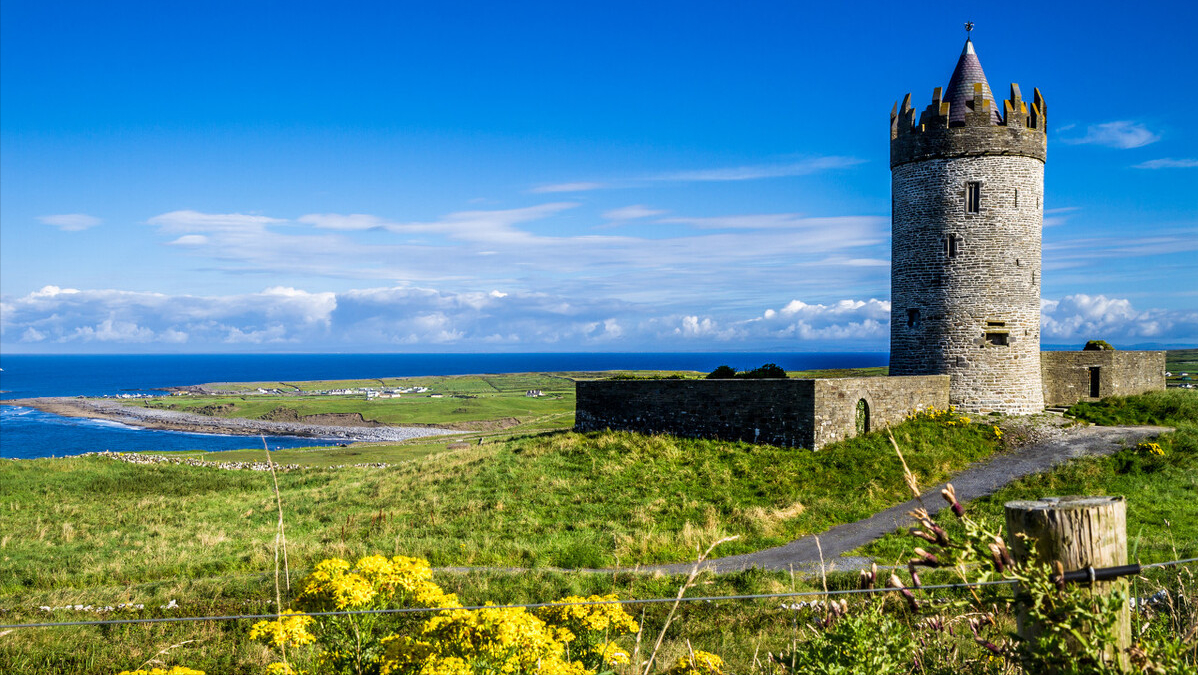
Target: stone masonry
{"x":967,"y":180}
{"x":800,"y":413}
{"x":1070,"y":377}
{"x":967,"y":205}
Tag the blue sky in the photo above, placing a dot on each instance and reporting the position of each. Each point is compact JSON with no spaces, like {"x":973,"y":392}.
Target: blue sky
{"x":253,"y":176}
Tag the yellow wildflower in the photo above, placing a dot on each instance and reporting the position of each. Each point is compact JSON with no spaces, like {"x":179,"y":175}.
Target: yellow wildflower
{"x":290,"y":629}
{"x":702,"y":663}
{"x":175,"y":670}
{"x":581,"y":619}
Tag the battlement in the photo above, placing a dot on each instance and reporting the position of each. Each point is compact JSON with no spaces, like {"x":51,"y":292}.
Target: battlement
{"x":1020,"y":130}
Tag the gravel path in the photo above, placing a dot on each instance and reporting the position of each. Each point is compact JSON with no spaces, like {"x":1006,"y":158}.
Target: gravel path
{"x":977,"y":481}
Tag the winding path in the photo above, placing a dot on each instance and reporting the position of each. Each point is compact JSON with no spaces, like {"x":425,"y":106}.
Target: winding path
{"x":978,"y":480}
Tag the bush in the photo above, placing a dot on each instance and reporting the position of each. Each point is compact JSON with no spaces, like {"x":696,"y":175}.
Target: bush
{"x":1098,"y":346}
{"x":722,"y":373}
{"x":767,"y":371}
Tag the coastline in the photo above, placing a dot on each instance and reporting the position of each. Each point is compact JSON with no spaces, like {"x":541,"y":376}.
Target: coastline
{"x":174,"y":420}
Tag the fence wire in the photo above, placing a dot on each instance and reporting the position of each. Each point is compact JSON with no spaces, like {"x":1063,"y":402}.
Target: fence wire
{"x":536,"y":605}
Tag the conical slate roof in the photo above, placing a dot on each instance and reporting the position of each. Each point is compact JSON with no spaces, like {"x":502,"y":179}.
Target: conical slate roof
{"x":960,"y":86}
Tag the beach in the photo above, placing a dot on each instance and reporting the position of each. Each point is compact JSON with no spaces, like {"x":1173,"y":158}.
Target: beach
{"x":341,"y":427}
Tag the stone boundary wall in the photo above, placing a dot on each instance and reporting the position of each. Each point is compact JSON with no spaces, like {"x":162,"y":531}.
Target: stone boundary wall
{"x":792,"y":412}
{"x":889,"y":401}
{"x":778,"y":412}
{"x":1067,"y":375}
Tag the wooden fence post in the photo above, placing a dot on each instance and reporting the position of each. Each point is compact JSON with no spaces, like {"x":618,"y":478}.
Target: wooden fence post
{"x":1078,"y":532}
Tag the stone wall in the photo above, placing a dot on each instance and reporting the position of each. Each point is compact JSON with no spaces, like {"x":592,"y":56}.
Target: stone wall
{"x":793,"y":412}
{"x":1067,"y":375}
{"x":778,"y":412}
{"x":888,"y":400}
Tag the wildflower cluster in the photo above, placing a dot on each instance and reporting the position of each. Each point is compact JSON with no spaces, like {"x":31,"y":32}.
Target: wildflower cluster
{"x":463,"y":642}
{"x":1151,"y":449}
{"x":289,"y":630}
{"x":561,"y":639}
{"x":174,"y":670}
{"x":697,"y":663}
{"x":946,"y":416}
{"x":334,"y":585}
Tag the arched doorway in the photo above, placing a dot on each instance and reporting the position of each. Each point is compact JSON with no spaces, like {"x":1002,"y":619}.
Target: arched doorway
{"x":862,"y":417}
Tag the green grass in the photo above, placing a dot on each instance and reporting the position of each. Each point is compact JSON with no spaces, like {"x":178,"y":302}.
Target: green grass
{"x":558,"y":499}
{"x":1161,"y":492}
{"x":1179,"y":361}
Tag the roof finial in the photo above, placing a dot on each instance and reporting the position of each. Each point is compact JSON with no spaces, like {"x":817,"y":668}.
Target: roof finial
{"x":968,"y":29}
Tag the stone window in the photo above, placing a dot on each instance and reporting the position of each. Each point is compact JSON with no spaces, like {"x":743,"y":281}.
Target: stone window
{"x":912,"y":318}
{"x":952,"y":245}
{"x":997,"y":334}
{"x":1016,"y":197}
{"x":973,"y":197}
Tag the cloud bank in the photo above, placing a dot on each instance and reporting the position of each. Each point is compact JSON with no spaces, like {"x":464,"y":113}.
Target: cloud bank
{"x":413,"y":318}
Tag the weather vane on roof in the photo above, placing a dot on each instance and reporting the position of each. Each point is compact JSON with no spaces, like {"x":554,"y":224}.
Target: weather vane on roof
{"x":968,"y":28}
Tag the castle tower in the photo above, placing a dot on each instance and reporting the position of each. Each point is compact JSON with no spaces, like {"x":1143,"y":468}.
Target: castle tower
{"x":967,"y":185}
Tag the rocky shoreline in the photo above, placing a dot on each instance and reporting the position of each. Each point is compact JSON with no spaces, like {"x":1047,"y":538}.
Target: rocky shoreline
{"x":174,"y":420}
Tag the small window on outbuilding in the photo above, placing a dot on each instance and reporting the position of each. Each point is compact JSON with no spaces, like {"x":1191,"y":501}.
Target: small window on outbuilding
{"x":1095,"y":381}
{"x":973,"y":197}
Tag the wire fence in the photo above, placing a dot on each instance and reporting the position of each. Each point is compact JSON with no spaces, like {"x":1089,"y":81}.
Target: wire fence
{"x":1089,"y":573}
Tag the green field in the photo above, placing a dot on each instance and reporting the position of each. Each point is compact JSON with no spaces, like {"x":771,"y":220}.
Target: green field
{"x":1178,"y":361}
{"x":1162,"y":492}
{"x":481,"y":403}
{"x":100,"y":532}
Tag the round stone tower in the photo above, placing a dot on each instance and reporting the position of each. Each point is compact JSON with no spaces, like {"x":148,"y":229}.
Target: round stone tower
{"x":967,"y":183}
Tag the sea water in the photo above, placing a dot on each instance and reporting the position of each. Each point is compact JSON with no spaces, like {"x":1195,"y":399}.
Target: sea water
{"x":27,"y":433}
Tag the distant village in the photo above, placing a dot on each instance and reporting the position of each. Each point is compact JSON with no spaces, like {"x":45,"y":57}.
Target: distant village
{"x":370,"y":393}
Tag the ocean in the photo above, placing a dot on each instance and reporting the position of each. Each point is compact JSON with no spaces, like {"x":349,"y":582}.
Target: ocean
{"x":27,"y":433}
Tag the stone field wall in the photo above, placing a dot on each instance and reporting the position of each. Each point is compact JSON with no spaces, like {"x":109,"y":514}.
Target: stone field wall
{"x":800,"y":413}
{"x":1067,"y":375}
{"x":889,"y":400}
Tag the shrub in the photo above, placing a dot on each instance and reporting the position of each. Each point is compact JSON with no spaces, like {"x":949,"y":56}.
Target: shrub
{"x":767,"y":371}
{"x":1098,"y":346}
{"x":722,"y":373}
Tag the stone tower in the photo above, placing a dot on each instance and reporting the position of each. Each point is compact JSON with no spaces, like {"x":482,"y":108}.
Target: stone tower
{"x":967,"y":183}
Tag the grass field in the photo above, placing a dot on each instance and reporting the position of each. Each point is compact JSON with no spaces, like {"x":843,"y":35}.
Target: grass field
{"x":1162,"y":492}
{"x":99,"y":532}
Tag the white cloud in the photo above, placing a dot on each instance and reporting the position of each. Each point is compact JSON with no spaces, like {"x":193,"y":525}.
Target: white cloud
{"x":335,"y":221}
{"x":801,"y":167}
{"x":754,"y":172}
{"x":521,"y":250}
{"x":189,"y":240}
{"x":578,"y":186}
{"x":411,"y":317}
{"x":419,"y":318}
{"x":1122,"y":134}
{"x":1167,"y":163}
{"x":194,"y":221}
{"x":1092,"y":317}
{"x":631,"y":212}
{"x":71,"y":222}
